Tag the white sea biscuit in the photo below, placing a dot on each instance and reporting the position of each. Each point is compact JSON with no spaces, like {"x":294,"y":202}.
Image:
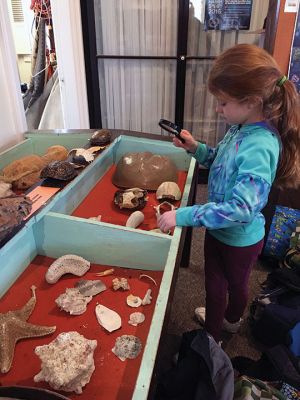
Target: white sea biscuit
{"x":67,"y":264}
{"x":67,"y":362}
{"x":109,"y":319}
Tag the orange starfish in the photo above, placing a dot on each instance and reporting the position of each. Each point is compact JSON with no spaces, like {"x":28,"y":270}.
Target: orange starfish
{"x":13,"y":327}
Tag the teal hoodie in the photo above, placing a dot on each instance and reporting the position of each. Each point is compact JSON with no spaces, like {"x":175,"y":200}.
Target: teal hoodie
{"x":242,"y":169}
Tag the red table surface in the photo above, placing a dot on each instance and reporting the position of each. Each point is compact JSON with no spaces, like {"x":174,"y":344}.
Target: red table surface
{"x":99,"y":201}
{"x":112,"y":378}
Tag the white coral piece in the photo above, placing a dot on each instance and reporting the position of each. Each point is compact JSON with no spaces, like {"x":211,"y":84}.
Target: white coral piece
{"x":120,"y":283}
{"x":73,"y":302}
{"x":67,"y":264}
{"x":67,"y":362}
{"x":147,"y":299}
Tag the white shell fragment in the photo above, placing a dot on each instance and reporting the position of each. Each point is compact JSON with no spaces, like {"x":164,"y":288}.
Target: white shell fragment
{"x":127,"y":346}
{"x":107,"y":318}
{"x":169,"y":191}
{"x":120,"y":283}
{"x":135,"y":219}
{"x":133,"y":301}
{"x":68,"y":264}
{"x":148,"y":277}
{"x":147,"y":299}
{"x":72,"y":301}
{"x":164,"y":207}
{"x":67,"y":362}
{"x":90,"y":287}
{"x":136,"y":318}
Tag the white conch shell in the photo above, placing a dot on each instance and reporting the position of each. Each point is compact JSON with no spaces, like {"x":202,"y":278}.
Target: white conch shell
{"x":135,"y":219}
{"x":127,"y":346}
{"x":109,"y":319}
{"x":136,"y":318}
{"x":133,"y":301}
{"x":73,"y":302}
{"x":67,"y":362}
{"x":168,"y":190}
{"x":68,"y":264}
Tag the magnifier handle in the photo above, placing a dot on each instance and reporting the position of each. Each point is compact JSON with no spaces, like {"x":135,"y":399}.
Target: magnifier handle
{"x":177,"y":134}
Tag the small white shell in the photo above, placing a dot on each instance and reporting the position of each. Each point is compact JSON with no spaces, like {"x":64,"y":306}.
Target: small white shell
{"x":73,"y":302}
{"x":136,"y":318}
{"x":68,"y":264}
{"x":133,"y":301}
{"x":168,"y":190}
{"x":109,"y":319}
{"x":135,"y":219}
{"x":127,"y":346}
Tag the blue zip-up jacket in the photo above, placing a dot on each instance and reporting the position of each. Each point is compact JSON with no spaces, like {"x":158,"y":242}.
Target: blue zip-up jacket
{"x":242,"y":169}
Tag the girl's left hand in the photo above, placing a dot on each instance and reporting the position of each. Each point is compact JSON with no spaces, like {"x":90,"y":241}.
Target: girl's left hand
{"x":167,"y":221}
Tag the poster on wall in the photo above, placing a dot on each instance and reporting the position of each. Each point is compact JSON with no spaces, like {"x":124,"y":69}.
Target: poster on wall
{"x":227,"y":15}
{"x":294,"y":69}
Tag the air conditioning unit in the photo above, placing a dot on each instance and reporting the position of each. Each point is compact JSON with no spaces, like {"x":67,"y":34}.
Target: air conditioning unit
{"x":21,"y":19}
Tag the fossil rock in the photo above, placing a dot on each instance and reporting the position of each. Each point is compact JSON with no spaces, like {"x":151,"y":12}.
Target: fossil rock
{"x":90,"y":287}
{"x":144,"y":170}
{"x":109,"y":319}
{"x":127,"y":346}
{"x":13,"y":327}
{"x":67,"y":362}
{"x":73,"y":302}
{"x":67,"y":264}
{"x":12,"y":212}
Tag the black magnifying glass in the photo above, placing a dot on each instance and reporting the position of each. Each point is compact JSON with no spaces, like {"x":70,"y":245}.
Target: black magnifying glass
{"x":171,"y":128}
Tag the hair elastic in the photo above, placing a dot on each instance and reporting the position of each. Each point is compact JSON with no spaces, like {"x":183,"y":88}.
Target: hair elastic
{"x":281,"y":81}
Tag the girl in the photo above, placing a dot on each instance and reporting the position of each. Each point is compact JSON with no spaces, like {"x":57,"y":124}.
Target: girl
{"x":263,"y":108}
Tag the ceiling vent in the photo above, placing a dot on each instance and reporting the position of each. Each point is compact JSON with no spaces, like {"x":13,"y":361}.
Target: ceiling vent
{"x":17,"y":10}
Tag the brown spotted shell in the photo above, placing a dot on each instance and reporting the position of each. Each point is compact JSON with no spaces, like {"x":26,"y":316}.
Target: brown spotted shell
{"x":134,"y":198}
{"x":62,"y":170}
{"x":100,"y":137}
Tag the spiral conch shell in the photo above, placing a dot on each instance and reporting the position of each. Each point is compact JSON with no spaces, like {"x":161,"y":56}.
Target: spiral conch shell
{"x":67,"y":264}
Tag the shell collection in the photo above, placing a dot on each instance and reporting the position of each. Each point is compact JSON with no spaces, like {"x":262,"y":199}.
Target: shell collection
{"x":67,"y":362}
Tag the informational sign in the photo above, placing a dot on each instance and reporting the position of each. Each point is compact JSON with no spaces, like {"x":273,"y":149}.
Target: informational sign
{"x":227,"y":15}
{"x":294,"y":70}
{"x":291,"y":5}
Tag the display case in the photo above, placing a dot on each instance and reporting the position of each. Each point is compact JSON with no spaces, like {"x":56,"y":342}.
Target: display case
{"x":62,"y":226}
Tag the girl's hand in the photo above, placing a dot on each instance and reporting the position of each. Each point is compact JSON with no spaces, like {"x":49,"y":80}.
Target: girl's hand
{"x":190,"y":143}
{"x":166,"y":221}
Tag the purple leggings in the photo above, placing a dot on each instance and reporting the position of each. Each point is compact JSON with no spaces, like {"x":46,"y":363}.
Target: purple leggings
{"x":227,"y":269}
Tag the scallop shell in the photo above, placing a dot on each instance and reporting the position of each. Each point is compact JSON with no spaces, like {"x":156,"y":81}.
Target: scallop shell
{"x":133,"y":301}
{"x":90,"y":287}
{"x":136,"y":318}
{"x":73,"y":302}
{"x":109,"y":319}
{"x":67,"y":264}
{"x":127,"y":346}
{"x":168,"y":191}
{"x":67,"y":362}
{"x":135,"y":219}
